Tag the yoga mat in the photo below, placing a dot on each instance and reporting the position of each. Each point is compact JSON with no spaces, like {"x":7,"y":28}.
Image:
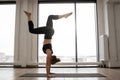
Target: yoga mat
{"x":63,"y":75}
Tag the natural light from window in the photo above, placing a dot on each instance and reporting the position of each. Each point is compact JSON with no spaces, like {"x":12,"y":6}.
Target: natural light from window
{"x":64,"y":40}
{"x":7,"y":24}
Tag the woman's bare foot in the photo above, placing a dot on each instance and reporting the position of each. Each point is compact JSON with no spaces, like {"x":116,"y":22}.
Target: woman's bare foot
{"x":68,"y":14}
{"x":28,"y":14}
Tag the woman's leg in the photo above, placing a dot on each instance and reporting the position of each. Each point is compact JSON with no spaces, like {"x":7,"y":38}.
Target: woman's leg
{"x":49,"y":20}
{"x":39,"y":30}
{"x":55,"y":17}
{"x":65,"y":15}
{"x":29,"y":16}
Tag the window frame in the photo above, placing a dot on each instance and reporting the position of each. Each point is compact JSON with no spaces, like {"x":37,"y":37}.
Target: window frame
{"x":66,"y":1}
{"x":97,"y":35}
{"x":7,"y":2}
{"x":2,"y":64}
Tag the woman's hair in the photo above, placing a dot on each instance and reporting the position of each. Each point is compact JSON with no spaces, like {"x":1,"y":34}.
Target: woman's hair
{"x":54,"y":60}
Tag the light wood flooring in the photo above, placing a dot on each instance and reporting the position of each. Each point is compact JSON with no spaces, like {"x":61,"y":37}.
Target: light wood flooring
{"x":15,"y":73}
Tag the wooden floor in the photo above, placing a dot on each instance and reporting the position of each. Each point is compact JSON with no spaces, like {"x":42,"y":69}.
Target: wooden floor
{"x":15,"y":73}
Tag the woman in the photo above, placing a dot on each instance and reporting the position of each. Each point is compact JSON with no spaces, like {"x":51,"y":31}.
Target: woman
{"x":48,"y":31}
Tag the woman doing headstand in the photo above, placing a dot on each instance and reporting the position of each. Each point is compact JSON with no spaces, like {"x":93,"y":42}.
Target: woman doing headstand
{"x":48,"y":31}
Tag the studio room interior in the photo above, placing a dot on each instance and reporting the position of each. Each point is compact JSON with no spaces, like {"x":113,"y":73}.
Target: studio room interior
{"x":60,"y":39}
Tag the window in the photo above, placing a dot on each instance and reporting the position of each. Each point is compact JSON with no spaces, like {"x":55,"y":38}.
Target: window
{"x":7,"y":23}
{"x":75,"y":38}
{"x":86,"y":32}
{"x":63,"y":41}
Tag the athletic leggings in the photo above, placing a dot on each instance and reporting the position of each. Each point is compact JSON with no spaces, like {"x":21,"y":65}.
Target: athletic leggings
{"x":47,"y":30}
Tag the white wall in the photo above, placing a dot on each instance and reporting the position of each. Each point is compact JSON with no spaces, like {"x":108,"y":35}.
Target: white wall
{"x":114,"y":30}
{"x":109,"y":12}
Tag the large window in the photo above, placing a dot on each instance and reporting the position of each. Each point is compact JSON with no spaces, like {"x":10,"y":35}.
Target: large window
{"x":75,"y":37}
{"x":86,"y":32}
{"x":7,"y":25}
{"x":63,"y":41}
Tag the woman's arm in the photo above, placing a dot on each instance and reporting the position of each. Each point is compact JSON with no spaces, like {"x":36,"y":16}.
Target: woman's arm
{"x":48,"y":61}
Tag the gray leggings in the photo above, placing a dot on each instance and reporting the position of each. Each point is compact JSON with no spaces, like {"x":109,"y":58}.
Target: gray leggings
{"x":47,"y":30}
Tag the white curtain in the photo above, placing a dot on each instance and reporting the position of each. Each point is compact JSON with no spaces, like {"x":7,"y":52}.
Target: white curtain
{"x":25,"y":42}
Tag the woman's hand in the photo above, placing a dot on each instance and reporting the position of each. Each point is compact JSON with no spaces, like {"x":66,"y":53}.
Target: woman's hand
{"x":50,"y":75}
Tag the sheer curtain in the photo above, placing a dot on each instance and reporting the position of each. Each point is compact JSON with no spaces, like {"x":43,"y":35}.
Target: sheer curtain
{"x":25,"y":43}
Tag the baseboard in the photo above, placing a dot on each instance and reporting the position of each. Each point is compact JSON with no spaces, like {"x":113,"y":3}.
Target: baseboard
{"x":113,"y":64}
{"x":27,"y":66}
